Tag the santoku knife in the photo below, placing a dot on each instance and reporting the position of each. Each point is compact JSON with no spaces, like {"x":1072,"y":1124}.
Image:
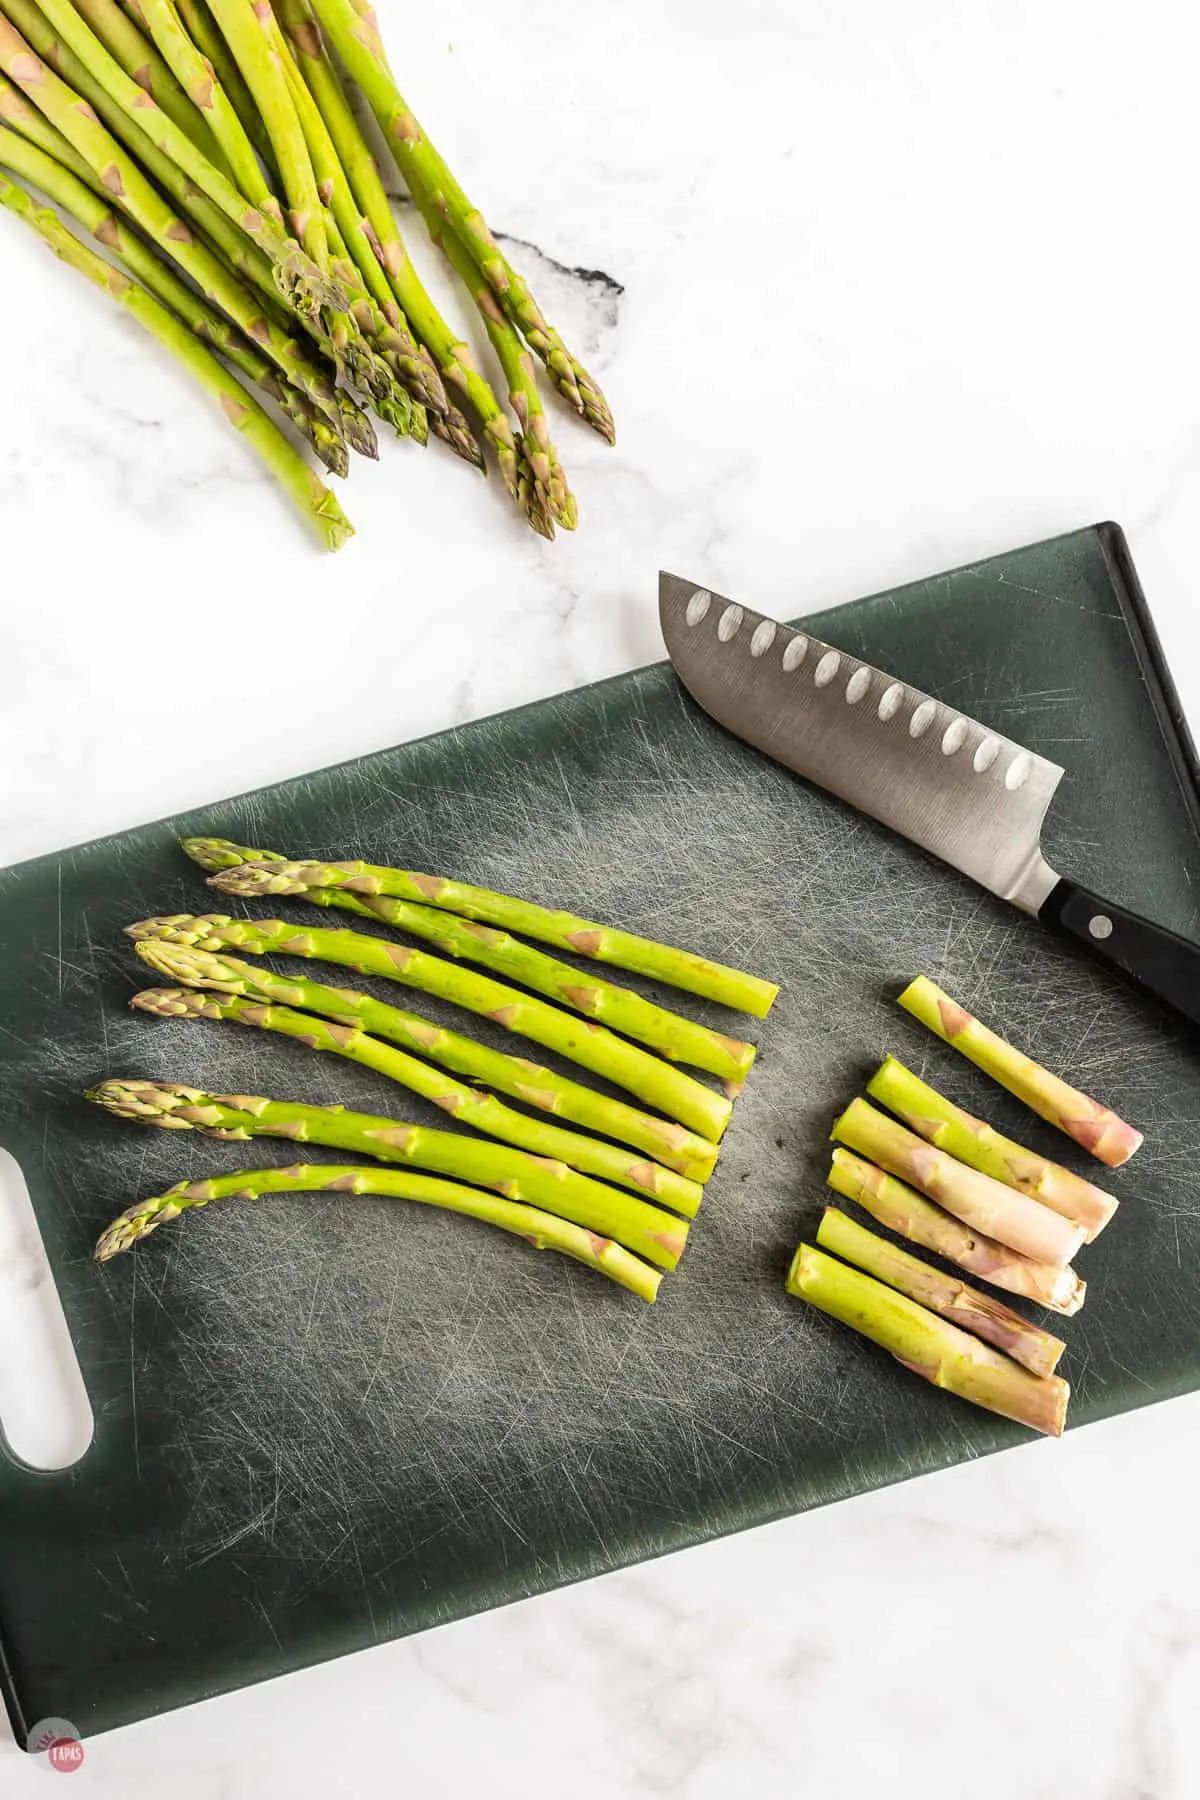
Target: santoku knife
{"x":970,"y":796}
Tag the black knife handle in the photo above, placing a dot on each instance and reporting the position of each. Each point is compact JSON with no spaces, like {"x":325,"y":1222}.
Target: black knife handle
{"x":1166,"y":965}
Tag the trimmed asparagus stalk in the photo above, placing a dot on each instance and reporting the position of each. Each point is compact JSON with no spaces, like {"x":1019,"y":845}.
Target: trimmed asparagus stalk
{"x":1095,"y":1127}
{"x":911,"y":1216}
{"x":929,"y":1346}
{"x":646,"y":1229}
{"x":975,"y":1143}
{"x":1016,"y":1220}
{"x":482,"y":1111}
{"x":642,"y":956}
{"x":997,"y":1324}
{"x":240,"y":409}
{"x":538,"y":1087}
{"x":541,"y":1229}
{"x":673,"y":1036}
{"x":659,"y":1084}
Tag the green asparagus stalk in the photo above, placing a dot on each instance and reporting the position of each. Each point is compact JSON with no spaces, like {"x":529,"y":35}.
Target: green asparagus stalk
{"x":300,"y":282}
{"x":452,"y":355}
{"x":1098,"y":1130}
{"x":997,"y":1324}
{"x":656,"y":1082}
{"x":242,"y":412}
{"x":201,"y":28}
{"x":537,"y":1087}
{"x":542,"y":491}
{"x":139,"y":58}
{"x":673,"y":1036}
{"x":541,"y":1229}
{"x":929,"y":1346}
{"x":940,"y":1122}
{"x":603,"y":943}
{"x":352,"y":30}
{"x":196,"y":75}
{"x":482,"y":1111}
{"x":84,"y":201}
{"x":76,"y":115}
{"x":1021,"y":1223}
{"x":18,"y":115}
{"x":417,"y":371}
{"x":643,"y":1228}
{"x":913,"y":1217}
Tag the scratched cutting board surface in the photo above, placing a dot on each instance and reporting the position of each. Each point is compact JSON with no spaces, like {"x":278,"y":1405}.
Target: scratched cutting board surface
{"x":325,"y":1422}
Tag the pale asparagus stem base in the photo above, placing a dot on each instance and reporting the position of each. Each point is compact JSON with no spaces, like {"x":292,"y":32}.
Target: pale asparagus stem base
{"x":645,"y":1229}
{"x":481,"y":1111}
{"x":657,"y":1083}
{"x":1095,"y":1127}
{"x":567,"y":931}
{"x":239,"y":408}
{"x":911,"y":1216}
{"x":1016,"y":1220}
{"x":929,"y":1346}
{"x":673,"y":1036}
{"x":537,"y":1087}
{"x":997,"y":1324}
{"x":975,"y":1143}
{"x":541,"y":1229}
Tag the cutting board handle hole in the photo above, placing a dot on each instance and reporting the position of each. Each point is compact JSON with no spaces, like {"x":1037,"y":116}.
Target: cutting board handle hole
{"x":45,"y":1414}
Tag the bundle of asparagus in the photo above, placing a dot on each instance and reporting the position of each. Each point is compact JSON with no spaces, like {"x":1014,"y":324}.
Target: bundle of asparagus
{"x":985,"y":1204}
{"x":619,"y":1201}
{"x":212,"y":150}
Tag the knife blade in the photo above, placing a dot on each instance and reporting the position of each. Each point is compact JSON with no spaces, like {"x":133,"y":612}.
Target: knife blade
{"x":967,"y":794}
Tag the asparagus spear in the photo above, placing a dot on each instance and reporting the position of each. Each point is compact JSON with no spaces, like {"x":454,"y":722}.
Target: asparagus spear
{"x":242,"y":412}
{"x":448,"y":354}
{"x":140,"y":59}
{"x":1098,"y":1130}
{"x":952,"y":1299}
{"x":929,"y":1346}
{"x":643,"y":1228}
{"x":657,"y":1083}
{"x":940,"y":1122}
{"x":482,"y":1111}
{"x":196,"y":75}
{"x":351,"y":29}
{"x":538,"y":1087}
{"x":201,"y":28}
{"x":673,"y":1036}
{"x":542,"y":491}
{"x":541,"y":1229}
{"x":909,"y":1214}
{"x":1021,"y":1223}
{"x":642,"y":956}
{"x":76,"y":114}
{"x":298,"y":279}
{"x":84,"y":201}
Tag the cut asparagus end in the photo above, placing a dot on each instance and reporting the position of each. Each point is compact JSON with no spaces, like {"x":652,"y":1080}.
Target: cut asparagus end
{"x":969,"y":1140}
{"x":946,"y":1295}
{"x":931,"y":1347}
{"x":1099,"y":1130}
{"x":986,"y":1205}
{"x":911,"y":1216}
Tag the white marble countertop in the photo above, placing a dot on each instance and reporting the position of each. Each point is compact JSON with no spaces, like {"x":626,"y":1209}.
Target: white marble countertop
{"x":891,"y":288}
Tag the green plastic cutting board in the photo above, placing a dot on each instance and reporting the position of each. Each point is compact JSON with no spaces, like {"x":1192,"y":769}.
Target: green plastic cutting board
{"x":321,"y":1423}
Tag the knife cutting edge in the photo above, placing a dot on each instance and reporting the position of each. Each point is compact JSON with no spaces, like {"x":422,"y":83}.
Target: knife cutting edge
{"x":973,"y":798}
